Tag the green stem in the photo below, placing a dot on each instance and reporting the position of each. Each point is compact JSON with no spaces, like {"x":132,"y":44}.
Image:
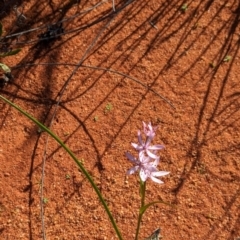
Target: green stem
{"x":142,"y":193}
{"x":73,"y":157}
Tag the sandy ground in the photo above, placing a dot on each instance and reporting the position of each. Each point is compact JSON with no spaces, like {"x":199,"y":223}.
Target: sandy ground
{"x":93,"y":84}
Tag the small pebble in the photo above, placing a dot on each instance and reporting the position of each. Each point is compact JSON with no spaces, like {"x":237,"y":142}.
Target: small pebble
{"x":6,"y":174}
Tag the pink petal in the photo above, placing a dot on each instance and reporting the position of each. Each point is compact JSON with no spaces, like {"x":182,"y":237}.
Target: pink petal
{"x":135,"y":145}
{"x":156,"y":162}
{"x":140,"y":138}
{"x":144,"y":159}
{"x":132,"y":170}
{"x":156,"y":180}
{"x":159,"y":173}
{"x":151,"y":155}
{"x":156,"y":147}
{"x":131,"y":158}
{"x":148,"y":141}
{"x":150,"y":127}
{"x":143,"y":175}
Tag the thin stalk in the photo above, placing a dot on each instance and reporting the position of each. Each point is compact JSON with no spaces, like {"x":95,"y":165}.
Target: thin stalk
{"x":73,"y":157}
{"x":142,"y":192}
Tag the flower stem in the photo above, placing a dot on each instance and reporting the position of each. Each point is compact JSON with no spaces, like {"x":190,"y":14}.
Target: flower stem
{"x":84,"y":171}
{"x":142,"y":193}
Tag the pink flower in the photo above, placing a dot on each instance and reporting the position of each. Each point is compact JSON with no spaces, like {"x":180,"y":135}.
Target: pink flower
{"x":146,"y":166}
{"x":147,"y":160}
{"x":145,"y":146}
{"x":149,"y":130}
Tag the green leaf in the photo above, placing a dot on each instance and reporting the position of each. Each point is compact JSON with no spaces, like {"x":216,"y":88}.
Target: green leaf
{"x":108,"y":107}
{"x":184,"y":7}
{"x":5,"y":68}
{"x":1,"y":29}
{"x":145,"y":207}
{"x":227,"y":58}
{"x":10,"y":53}
{"x":68,"y":176}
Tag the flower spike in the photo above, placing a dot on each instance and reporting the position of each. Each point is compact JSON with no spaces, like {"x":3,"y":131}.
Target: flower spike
{"x":147,"y":160}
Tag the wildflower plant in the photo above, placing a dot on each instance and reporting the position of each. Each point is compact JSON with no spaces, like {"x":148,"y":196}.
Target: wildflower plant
{"x":146,"y":164}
